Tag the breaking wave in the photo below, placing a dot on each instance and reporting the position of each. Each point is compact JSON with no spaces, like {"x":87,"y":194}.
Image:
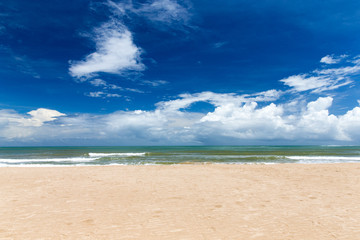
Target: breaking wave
{"x":117,"y":154}
{"x":46,"y":160}
{"x":316,"y":159}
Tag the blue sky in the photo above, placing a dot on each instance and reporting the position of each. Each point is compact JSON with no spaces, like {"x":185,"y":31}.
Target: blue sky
{"x":189,"y":72}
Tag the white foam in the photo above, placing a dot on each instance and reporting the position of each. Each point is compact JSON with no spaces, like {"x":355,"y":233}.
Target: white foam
{"x":116,"y":154}
{"x":325,"y":158}
{"x":35,"y":160}
{"x":38,"y":165}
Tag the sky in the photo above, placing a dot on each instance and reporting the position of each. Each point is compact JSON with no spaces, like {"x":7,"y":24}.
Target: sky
{"x":179,"y":72}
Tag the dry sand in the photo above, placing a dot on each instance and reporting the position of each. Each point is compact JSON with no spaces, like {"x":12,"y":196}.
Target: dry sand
{"x":287,"y":201}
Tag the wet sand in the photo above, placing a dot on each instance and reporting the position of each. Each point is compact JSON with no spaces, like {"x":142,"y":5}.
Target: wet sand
{"x":214,"y":201}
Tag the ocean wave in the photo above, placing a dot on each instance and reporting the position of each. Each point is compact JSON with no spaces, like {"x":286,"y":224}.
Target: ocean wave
{"x":117,"y":154}
{"x":40,"y":160}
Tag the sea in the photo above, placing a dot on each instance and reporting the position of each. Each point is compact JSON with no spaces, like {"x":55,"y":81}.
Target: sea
{"x":94,"y":156}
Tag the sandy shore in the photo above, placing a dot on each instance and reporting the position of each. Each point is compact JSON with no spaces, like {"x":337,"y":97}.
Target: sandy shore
{"x":288,"y":201}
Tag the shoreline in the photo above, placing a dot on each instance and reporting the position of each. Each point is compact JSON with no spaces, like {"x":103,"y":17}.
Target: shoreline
{"x":171,"y":164}
{"x":181,"y":201}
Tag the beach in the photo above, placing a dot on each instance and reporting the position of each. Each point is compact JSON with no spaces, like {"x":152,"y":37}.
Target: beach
{"x":181,"y":201}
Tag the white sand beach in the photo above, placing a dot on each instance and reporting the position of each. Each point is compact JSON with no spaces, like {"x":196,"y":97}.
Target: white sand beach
{"x":209,"y":201}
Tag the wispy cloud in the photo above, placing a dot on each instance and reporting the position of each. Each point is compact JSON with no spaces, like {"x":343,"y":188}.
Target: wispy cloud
{"x":23,"y":65}
{"x":19,"y":63}
{"x":101,"y":94}
{"x":219,"y":44}
{"x":321,"y":80}
{"x":164,"y":12}
{"x":97,"y":82}
{"x":331,"y":59}
{"x":155,"y":83}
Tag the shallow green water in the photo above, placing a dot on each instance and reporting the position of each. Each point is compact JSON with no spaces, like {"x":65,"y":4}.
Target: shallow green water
{"x":50,"y":156}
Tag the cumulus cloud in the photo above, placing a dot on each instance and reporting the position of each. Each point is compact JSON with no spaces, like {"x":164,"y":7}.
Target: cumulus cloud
{"x":316,"y":122}
{"x":247,"y":121}
{"x":236,"y":119}
{"x":35,"y":118}
{"x":16,"y":126}
{"x":321,"y":80}
{"x":40,"y":116}
{"x":350,"y":124}
{"x":115,"y":53}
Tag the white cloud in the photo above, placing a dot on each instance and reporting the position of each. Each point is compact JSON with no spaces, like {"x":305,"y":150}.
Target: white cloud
{"x":186,"y":100}
{"x":16,"y":126}
{"x":236,"y":119}
{"x":350,"y":124}
{"x":101,"y":94}
{"x":165,"y":12}
{"x":216,"y":99}
{"x":321,"y":80}
{"x":115,"y":53}
{"x":316,"y":122}
{"x":266,"y":96}
{"x":304,"y":82}
{"x":134,"y":90}
{"x":37,"y":117}
{"x":247,"y":121}
{"x":340,"y":72}
{"x":155,"y":83}
{"x":98,"y":82}
{"x":42,"y":115}
{"x":328,"y":60}
{"x":331,"y":59}
{"x":107,"y":86}
{"x":101,"y":83}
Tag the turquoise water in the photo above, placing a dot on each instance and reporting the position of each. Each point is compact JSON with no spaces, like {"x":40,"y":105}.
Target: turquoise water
{"x":58,"y":156}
